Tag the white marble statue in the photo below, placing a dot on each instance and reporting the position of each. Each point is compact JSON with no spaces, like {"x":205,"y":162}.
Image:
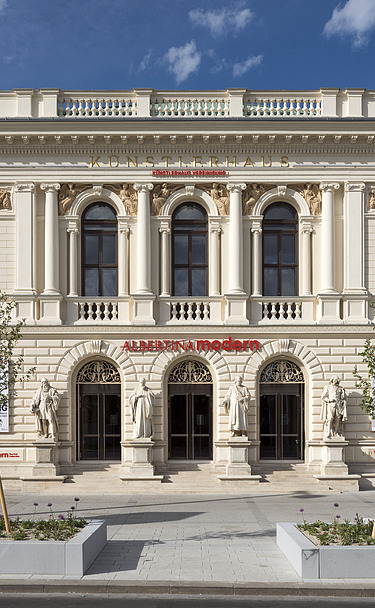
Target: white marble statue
{"x":141,"y":403}
{"x":44,"y":406}
{"x":236,"y":403}
{"x":333,"y":407}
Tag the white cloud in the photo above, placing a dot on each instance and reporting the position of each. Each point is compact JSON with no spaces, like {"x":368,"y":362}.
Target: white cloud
{"x":223,"y":20}
{"x":355,"y":19}
{"x":239,"y":69}
{"x":183,"y":60}
{"x":145,"y":62}
{"x":3,"y":5}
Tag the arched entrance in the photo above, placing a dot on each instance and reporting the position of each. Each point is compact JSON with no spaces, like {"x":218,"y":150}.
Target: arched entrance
{"x":190,"y":412}
{"x":98,"y":412}
{"x":281,"y":412}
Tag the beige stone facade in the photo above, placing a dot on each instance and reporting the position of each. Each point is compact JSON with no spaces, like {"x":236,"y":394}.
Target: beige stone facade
{"x":145,"y":155}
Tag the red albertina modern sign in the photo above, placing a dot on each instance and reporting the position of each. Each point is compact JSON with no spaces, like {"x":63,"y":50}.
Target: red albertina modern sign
{"x":227,"y":344}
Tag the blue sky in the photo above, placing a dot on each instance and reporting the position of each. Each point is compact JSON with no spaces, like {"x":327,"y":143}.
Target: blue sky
{"x":174,"y":44}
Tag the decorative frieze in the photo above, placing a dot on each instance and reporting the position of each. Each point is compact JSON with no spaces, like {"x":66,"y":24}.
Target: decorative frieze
{"x":251,"y":195}
{"x":68,"y":193}
{"x":128,"y":196}
{"x":5,"y":200}
{"x":312,"y":195}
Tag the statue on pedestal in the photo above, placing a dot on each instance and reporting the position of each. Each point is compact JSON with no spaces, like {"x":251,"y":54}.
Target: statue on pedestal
{"x":334,"y":408}
{"x":44,"y":406}
{"x":236,"y":403}
{"x":141,"y":403}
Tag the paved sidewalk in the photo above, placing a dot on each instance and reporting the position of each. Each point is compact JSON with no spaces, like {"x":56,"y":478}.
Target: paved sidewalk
{"x":226,"y":541}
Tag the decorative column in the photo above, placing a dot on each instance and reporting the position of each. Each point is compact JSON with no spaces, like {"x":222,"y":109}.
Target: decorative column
{"x":143,"y":239}
{"x":235,"y":239}
{"x":123,"y":284}
{"x":214,"y":259}
{"x":236,"y":297}
{"x":51,"y":239}
{"x":329,"y":299}
{"x":306,"y":232}
{"x":165,"y":232}
{"x":50,"y":299}
{"x":328,"y":238}
{"x":25,"y":251}
{"x":73,"y":258}
{"x":355,"y":298}
{"x":143,"y":298}
{"x":256,"y":231}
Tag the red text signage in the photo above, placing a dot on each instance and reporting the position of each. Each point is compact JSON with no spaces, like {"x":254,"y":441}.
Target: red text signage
{"x":229,"y":344}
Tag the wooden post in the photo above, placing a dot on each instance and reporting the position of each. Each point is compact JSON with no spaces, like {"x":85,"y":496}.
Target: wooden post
{"x":4,"y":507}
{"x":373,"y":530}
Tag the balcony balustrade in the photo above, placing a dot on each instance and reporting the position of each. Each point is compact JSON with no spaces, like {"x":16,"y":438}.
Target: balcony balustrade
{"x":146,"y":103}
{"x":277,"y":311}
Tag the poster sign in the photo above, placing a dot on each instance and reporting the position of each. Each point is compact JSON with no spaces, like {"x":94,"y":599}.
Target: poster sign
{"x":4,"y":404}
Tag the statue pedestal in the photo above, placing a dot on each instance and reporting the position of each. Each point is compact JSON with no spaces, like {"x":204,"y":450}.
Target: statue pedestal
{"x":142,"y":468}
{"x":46,"y":466}
{"x":238,"y":467}
{"x":334,"y":470}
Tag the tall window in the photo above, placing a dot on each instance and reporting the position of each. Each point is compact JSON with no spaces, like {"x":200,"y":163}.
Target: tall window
{"x":189,"y":251}
{"x":280,"y":250}
{"x":99,"y":251}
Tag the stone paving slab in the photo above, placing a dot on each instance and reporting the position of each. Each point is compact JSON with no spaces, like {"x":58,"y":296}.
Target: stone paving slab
{"x":213,"y":542}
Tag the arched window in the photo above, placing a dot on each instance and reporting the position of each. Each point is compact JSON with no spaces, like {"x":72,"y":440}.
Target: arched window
{"x":99,"y":251}
{"x":280,"y":250}
{"x":189,"y":250}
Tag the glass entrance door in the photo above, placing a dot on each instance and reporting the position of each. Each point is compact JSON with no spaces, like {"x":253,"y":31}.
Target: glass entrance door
{"x":190,"y":422}
{"x":99,"y":422}
{"x":281,"y":422}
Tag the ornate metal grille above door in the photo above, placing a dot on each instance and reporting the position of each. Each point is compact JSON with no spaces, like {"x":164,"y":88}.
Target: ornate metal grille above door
{"x":282,"y":372}
{"x":98,"y":372}
{"x":190,"y":372}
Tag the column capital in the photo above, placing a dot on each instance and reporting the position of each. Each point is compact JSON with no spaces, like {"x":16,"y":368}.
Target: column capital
{"x":143,"y":187}
{"x":165,"y":225}
{"x":355,"y":186}
{"x":329,"y":186}
{"x":29,"y":187}
{"x":164,"y":229}
{"x":232,"y":187}
{"x":256,"y":226}
{"x":72,"y":230}
{"x":50,"y":187}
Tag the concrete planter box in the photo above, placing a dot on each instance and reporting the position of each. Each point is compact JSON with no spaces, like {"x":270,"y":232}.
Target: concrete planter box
{"x":72,"y":557}
{"x":311,"y":561}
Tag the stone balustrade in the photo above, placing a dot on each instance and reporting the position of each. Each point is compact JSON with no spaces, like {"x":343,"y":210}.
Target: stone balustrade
{"x":92,"y":107}
{"x":47,"y":103}
{"x":283,"y":310}
{"x":279,"y":105}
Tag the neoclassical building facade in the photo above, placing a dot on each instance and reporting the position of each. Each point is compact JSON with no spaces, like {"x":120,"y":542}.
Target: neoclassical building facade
{"x":189,"y":238}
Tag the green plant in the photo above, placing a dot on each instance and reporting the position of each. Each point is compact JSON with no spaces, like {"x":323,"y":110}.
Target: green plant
{"x":366,"y":385}
{"x":10,"y":367}
{"x":357,"y":532}
{"x":54,"y":528}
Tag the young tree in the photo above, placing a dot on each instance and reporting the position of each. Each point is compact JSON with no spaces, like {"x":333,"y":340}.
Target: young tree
{"x":10,"y":367}
{"x":367,"y":385}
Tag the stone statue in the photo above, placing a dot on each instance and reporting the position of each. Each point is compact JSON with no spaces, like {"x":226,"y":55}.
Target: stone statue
{"x":159,"y":197}
{"x":5,"y":200}
{"x":44,"y":406}
{"x":67,"y":194}
{"x":333,"y":406}
{"x":250,"y":196}
{"x":236,"y":403}
{"x":220,"y":196}
{"x":141,"y":403}
{"x":371,"y":200}
{"x":313,"y":197}
{"x":130,"y":199}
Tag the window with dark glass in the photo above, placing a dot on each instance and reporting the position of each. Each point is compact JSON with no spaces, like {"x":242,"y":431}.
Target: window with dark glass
{"x":99,"y":251}
{"x":280,"y":250}
{"x":189,"y":250}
